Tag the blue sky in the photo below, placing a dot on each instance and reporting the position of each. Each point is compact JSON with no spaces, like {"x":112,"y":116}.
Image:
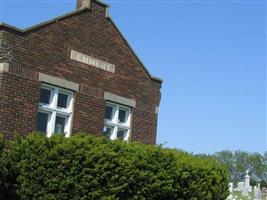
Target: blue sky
{"x":211,"y":55}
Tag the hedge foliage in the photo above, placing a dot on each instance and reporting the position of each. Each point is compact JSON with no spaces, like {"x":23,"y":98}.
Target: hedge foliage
{"x":84,"y":167}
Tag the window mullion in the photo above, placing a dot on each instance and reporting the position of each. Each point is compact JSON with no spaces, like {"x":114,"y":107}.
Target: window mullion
{"x":114,"y":133}
{"x":116,"y":115}
{"x":129,"y":116}
{"x":67,"y":126}
{"x":53,"y":116}
{"x":51,"y":124}
{"x":70,"y":103}
{"x":55,"y":98}
{"x":127,"y":135}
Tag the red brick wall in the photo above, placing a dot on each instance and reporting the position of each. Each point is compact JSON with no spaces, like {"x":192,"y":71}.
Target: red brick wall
{"x":47,"y":49}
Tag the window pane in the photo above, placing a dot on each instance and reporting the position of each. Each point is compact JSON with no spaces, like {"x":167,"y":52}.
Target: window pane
{"x":108,"y":131}
{"x":122,"y":116}
{"x":109,"y":112}
{"x":121,"y":134}
{"x":45,"y":96}
{"x":62,"y":100}
{"x":42,"y":119}
{"x":60,"y":125}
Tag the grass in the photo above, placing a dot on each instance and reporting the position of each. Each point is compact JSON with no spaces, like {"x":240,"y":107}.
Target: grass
{"x":239,"y":196}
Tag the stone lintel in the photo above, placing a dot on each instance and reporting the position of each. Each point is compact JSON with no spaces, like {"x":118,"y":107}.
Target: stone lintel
{"x":118,"y":99}
{"x":58,"y":82}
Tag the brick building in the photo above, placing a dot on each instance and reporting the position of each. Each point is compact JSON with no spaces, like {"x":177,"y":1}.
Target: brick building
{"x":76,"y":73}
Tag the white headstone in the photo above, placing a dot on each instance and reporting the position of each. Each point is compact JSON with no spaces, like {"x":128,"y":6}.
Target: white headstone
{"x":231,"y":190}
{"x":256,"y":194}
{"x":249,"y":189}
{"x":245,"y":191}
{"x":231,"y":187}
{"x":247,"y":179}
{"x":240,"y":186}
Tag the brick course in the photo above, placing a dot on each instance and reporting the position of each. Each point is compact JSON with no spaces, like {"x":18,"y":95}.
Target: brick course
{"x":46,"y":48}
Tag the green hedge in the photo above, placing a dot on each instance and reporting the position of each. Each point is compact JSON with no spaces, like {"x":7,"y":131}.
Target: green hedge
{"x":84,"y":167}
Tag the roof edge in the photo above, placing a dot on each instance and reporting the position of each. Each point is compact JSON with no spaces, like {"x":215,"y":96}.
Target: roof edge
{"x":155,"y":78}
{"x":102,"y":3}
{"x":131,"y":49}
{"x":8,"y":26}
{"x":14,"y":28}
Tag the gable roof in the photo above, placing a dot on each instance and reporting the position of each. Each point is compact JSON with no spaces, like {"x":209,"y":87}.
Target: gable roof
{"x":47,"y":23}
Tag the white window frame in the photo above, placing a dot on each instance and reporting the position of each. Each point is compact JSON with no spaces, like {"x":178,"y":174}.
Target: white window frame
{"x":54,"y":111}
{"x":114,"y":122}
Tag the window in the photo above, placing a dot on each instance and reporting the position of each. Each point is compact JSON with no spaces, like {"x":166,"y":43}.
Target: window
{"x":42,"y":119}
{"x":109,"y":112}
{"x":117,"y":121}
{"x":45,"y":96}
{"x":55,"y":111}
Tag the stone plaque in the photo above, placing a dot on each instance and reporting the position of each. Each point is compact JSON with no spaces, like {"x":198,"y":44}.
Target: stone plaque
{"x":80,"y":57}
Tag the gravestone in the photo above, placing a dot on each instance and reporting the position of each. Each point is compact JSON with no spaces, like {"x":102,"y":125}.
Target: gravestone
{"x":231,"y":190}
{"x":257,"y":192}
{"x":257,"y":195}
{"x":264,"y":193}
{"x":240,"y":186}
{"x":247,"y":181}
{"x":245,"y":192}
